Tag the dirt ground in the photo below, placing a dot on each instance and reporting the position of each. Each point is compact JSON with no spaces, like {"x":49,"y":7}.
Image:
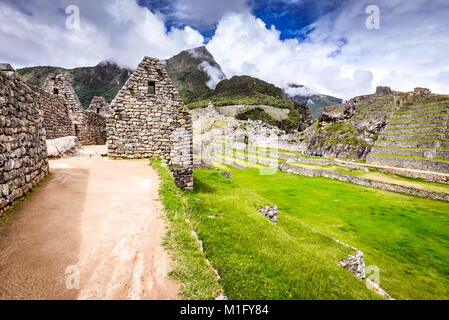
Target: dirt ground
{"x":93,"y":231}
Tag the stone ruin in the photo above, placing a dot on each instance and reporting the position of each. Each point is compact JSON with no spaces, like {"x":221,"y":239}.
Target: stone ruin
{"x":89,"y":127}
{"x":23,"y":156}
{"x":150,"y":120}
{"x":101,"y":107}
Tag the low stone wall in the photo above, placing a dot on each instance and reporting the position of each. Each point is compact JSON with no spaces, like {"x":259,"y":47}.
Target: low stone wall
{"x":363,"y":182}
{"x":23,"y":156}
{"x":428,"y":176}
{"x":412,"y":163}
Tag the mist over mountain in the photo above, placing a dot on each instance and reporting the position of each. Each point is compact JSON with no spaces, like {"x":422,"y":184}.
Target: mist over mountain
{"x":315,"y":101}
{"x":195,"y":73}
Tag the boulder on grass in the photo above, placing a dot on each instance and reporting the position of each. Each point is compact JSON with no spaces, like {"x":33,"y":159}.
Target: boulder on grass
{"x":65,"y":147}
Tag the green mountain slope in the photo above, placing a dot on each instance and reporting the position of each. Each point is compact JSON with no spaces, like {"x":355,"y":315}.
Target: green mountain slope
{"x":105,"y":79}
{"x":245,"y":90}
{"x":195,"y":73}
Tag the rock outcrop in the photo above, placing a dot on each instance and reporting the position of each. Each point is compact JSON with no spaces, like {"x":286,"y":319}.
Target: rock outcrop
{"x":65,"y":147}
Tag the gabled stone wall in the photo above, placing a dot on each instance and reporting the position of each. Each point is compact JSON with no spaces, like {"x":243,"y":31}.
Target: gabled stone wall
{"x":101,"y":107}
{"x":94,"y":129}
{"x":150,"y":120}
{"x":88,"y":127}
{"x":23,"y":151}
{"x":57,"y":119}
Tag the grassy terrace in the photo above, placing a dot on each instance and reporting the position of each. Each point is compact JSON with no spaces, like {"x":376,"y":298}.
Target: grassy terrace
{"x":413,"y":134}
{"x":409,"y":157}
{"x":412,"y":140}
{"x":383,"y":177}
{"x":421,"y":117}
{"x":408,"y":123}
{"x":372,"y":175}
{"x":419,"y":112}
{"x":255,"y":258}
{"x":414,"y":128}
{"x":406,"y":237}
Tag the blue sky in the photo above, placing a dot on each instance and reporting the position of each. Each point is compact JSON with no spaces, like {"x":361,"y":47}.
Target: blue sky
{"x":289,"y":17}
{"x":322,"y":44}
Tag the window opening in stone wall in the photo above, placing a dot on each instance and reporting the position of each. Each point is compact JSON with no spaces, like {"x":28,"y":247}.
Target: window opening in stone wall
{"x":77,"y":130}
{"x":56,"y":91}
{"x":151,"y":87}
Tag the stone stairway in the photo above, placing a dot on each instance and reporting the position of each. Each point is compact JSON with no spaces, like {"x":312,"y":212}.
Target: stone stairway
{"x":416,"y":137}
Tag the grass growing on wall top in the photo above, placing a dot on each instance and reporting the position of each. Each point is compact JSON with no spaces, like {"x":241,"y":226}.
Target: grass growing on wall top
{"x":190,"y":268}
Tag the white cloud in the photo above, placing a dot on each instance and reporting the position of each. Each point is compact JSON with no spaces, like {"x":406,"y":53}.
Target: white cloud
{"x":215,"y":74}
{"x":340,"y":56}
{"x":118,"y":30}
{"x":204,"y":13}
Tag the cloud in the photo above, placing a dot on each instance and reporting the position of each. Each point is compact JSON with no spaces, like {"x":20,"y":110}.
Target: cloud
{"x":340,"y":56}
{"x":35,"y":33}
{"x":206,"y":13}
{"x":214,"y":73}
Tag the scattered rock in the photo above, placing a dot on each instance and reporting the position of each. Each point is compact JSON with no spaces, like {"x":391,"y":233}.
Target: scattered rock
{"x":226,"y":175}
{"x":217,"y":276}
{"x":271,"y":213}
{"x":355,"y":264}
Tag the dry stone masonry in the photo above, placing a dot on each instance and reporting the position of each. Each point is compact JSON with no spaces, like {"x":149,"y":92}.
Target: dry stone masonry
{"x":57,"y":120}
{"x":149,"y":120}
{"x":416,"y":134}
{"x":101,"y":107}
{"x":23,"y":156}
{"x":271,"y":213}
{"x":89,"y":127}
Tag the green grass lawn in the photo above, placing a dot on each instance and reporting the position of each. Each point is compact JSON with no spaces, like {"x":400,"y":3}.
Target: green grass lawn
{"x":255,"y":258}
{"x":259,"y":260}
{"x":406,"y":237}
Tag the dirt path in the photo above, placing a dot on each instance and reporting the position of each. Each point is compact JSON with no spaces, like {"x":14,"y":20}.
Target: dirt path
{"x":97,"y":221}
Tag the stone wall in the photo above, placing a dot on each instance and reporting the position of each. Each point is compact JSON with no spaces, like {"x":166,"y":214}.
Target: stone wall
{"x":23,"y":157}
{"x":363,"y":182}
{"x":88,"y":127}
{"x":101,"y":107}
{"x":57,"y":120}
{"x":94,"y":129}
{"x":150,"y":120}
